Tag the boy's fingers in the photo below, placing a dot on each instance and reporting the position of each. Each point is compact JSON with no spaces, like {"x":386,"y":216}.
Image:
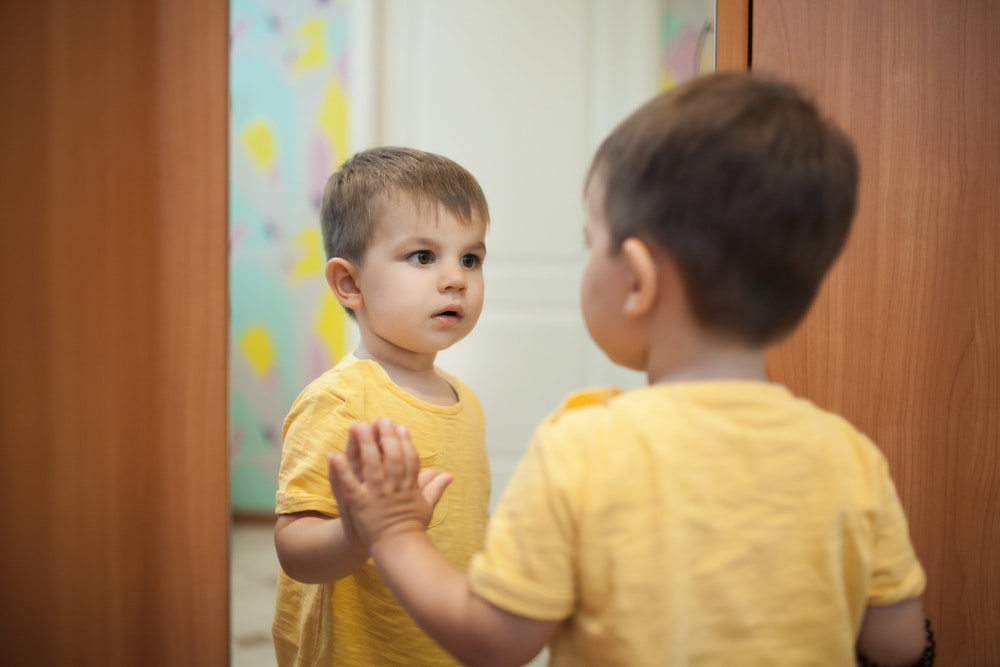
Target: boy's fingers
{"x":434,"y":485}
{"x":341,"y":476}
{"x":411,"y":459}
{"x":426,"y":476}
{"x":352,"y":451}
{"x":392,"y":458}
{"x":370,"y":456}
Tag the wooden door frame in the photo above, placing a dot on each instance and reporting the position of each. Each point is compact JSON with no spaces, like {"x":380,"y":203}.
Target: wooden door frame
{"x":114,"y":467}
{"x":732,"y":44}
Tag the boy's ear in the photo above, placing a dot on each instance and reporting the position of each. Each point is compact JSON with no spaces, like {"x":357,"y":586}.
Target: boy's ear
{"x":341,"y":276}
{"x":644,"y":289}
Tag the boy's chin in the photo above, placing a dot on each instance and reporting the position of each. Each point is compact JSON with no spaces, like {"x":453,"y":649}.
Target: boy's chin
{"x":434,"y":348}
{"x":631,"y":365}
{"x":626,"y":359}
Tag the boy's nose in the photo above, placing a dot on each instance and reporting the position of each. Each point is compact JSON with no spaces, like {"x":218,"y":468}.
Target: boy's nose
{"x":453,"y":277}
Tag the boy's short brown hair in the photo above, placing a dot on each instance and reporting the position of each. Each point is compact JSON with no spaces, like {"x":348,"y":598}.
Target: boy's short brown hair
{"x":355,"y":194}
{"x":745,"y":185}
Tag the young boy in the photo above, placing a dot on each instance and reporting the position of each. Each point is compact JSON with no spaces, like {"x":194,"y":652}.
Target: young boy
{"x":710,"y":518}
{"x":404,"y":232}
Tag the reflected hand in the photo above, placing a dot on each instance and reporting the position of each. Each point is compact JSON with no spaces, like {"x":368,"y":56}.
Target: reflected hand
{"x":379,"y":482}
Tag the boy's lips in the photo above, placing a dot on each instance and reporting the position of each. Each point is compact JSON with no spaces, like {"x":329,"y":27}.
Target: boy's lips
{"x":449,"y":314}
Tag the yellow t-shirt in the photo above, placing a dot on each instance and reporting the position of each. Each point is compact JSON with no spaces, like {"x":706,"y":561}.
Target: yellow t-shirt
{"x":356,"y":621}
{"x":715,"y":523}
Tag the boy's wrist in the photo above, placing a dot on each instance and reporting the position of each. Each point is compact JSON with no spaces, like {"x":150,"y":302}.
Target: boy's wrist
{"x":393,"y":537}
{"x":358,"y":547}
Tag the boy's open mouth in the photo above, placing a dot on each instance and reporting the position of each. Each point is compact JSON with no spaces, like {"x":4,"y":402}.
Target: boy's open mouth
{"x":450,"y":313}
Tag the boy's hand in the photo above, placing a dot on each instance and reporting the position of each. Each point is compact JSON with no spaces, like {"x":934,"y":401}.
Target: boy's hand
{"x":350,"y":532}
{"x":379,"y":483}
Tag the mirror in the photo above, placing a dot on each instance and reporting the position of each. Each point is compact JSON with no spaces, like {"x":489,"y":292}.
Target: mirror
{"x":520,"y":93}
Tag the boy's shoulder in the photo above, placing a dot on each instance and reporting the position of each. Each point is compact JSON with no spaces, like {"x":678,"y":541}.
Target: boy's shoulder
{"x":730,"y":400}
{"x":347,"y":380}
{"x":585,"y":398}
{"x":364,"y":384}
{"x":582,"y":408}
{"x":600,"y":412}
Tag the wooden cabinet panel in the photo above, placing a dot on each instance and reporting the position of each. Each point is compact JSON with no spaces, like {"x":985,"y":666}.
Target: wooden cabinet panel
{"x":904,"y":339}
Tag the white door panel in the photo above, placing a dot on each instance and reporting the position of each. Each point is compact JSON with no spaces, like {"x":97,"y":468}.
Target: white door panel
{"x":520,"y":93}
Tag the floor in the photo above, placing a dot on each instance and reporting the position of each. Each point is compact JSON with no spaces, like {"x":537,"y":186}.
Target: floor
{"x":254,"y":580}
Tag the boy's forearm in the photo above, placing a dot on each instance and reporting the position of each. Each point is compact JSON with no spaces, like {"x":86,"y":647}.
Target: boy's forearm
{"x":390,"y":511}
{"x":893,"y":634}
{"x":438,"y":597}
{"x":314,"y":549}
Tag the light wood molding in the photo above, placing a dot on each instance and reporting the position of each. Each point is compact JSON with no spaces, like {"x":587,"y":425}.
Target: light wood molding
{"x":732,"y":49}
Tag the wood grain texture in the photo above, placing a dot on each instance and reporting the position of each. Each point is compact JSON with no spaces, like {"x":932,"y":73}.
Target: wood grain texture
{"x":732,"y":43}
{"x":114,"y":464}
{"x":904,"y":338}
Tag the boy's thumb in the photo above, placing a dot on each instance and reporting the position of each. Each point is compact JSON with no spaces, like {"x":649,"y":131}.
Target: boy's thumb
{"x":432,"y":485}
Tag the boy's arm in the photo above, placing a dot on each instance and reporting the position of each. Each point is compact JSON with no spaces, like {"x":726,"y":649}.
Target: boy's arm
{"x":312,"y":544}
{"x":316,"y":549}
{"x":391,"y":515}
{"x":893,"y":634}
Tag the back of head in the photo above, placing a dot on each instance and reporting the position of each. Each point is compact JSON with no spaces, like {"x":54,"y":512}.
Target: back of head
{"x":747,"y":187}
{"x":355,"y":194}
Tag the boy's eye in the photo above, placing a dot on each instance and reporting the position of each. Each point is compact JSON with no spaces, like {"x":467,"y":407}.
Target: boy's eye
{"x":471,"y":261}
{"x":421,"y":257}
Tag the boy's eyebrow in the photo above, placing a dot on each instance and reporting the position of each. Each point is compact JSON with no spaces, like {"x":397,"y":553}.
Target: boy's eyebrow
{"x":479,"y":246}
{"x":426,"y":241}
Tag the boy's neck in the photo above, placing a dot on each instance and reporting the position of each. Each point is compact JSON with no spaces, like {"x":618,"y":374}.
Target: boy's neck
{"x":698,"y":357}
{"x":413,"y":372}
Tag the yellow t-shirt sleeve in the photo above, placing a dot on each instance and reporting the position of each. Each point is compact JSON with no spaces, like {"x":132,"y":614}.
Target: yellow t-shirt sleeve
{"x":896,"y":573}
{"x":529,"y":564}
{"x":315,"y":427}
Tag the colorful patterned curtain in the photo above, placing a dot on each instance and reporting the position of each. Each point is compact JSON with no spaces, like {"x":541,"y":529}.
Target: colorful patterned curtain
{"x":289,"y":88}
